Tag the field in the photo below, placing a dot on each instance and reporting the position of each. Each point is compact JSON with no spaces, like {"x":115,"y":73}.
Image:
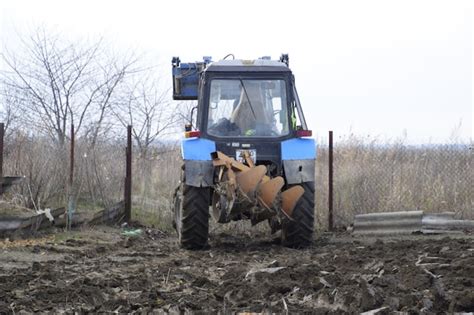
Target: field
{"x":101,"y":270}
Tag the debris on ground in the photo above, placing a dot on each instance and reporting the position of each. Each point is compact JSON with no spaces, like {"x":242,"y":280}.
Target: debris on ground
{"x":409,"y":222}
{"x":14,"y":219}
{"x":97,"y":270}
{"x":132,"y":233}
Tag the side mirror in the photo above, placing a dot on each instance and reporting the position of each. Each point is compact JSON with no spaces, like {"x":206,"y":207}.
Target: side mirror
{"x":189,"y":126}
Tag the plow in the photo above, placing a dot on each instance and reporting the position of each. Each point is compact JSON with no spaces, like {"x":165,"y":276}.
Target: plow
{"x":244,"y":189}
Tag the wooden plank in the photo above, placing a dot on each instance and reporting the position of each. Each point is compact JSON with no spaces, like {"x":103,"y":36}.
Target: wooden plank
{"x":33,"y":223}
{"x":113,"y":214}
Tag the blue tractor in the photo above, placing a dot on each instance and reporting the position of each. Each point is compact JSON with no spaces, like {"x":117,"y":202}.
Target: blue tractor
{"x":248,"y":153}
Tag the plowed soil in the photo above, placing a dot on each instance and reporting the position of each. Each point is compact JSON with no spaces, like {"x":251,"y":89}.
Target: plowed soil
{"x":103,"y":271}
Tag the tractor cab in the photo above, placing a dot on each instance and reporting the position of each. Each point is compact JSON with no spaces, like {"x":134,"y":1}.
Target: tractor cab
{"x":243,"y":104}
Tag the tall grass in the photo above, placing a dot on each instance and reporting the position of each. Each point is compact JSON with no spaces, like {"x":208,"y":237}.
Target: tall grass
{"x":154,"y":182}
{"x":376,"y":176}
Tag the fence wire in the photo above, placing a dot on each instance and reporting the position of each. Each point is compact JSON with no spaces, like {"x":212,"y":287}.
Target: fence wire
{"x":395,"y":177}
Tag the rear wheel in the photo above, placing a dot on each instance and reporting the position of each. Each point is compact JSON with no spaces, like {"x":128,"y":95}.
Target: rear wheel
{"x":191,"y":207}
{"x":299,"y":232}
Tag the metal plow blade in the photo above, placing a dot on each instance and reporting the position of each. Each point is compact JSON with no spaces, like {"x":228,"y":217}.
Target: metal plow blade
{"x":269,"y":190}
{"x":249,"y":192}
{"x":249,"y":179}
{"x":289,"y":199}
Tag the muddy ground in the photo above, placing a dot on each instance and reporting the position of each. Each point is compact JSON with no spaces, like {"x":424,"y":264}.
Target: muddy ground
{"x":102,"y":270}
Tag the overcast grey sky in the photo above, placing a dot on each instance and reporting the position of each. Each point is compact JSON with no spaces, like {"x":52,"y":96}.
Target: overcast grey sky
{"x":378,"y":68}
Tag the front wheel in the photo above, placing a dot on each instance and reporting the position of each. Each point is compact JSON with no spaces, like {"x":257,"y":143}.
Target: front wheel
{"x":299,"y":232}
{"x":191,"y":209}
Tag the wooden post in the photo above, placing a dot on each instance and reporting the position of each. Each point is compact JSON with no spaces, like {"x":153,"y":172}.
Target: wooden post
{"x":330,"y":184}
{"x":128,"y":177}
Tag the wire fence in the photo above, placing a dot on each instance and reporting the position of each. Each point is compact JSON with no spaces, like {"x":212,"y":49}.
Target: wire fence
{"x":369,"y":176}
{"x":375,"y":177}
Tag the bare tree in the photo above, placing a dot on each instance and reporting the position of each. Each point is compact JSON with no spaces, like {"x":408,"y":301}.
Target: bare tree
{"x":60,"y":82}
{"x":48,"y":83}
{"x":148,"y":108}
{"x":10,"y":112}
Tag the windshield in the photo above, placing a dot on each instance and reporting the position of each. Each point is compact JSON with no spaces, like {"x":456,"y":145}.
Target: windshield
{"x":247,"y":108}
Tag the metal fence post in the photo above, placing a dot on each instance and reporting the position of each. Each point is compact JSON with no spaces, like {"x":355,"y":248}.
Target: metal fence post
{"x":71,"y":198}
{"x":128,"y":177}
{"x":330,"y":184}
{"x":2,"y":134}
{"x":71,"y":158}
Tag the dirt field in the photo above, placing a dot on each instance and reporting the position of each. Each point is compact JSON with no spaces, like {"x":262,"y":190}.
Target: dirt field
{"x":101,"y":270}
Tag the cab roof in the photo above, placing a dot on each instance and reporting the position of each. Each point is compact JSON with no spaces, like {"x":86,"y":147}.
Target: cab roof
{"x":241,"y":65}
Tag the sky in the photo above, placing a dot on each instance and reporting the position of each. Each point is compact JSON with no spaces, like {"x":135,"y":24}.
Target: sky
{"x":376,"y":69}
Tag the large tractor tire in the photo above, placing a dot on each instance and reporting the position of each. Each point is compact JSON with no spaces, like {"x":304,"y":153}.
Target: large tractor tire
{"x":299,"y":232}
{"x":191,"y":206}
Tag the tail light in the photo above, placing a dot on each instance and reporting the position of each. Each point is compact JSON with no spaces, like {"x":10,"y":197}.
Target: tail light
{"x":304,"y":133}
{"x":192,"y":134}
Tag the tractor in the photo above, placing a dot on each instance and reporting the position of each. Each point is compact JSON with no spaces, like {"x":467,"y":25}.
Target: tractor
{"x":247,"y":152}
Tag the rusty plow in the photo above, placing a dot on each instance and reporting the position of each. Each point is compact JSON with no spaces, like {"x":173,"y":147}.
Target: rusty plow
{"x":244,"y":190}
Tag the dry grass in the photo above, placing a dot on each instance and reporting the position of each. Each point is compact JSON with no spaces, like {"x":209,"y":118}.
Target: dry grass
{"x":154,"y":183}
{"x":369,"y":176}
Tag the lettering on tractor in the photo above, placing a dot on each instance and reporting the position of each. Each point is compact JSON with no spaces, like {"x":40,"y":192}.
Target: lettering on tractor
{"x":248,"y":154}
